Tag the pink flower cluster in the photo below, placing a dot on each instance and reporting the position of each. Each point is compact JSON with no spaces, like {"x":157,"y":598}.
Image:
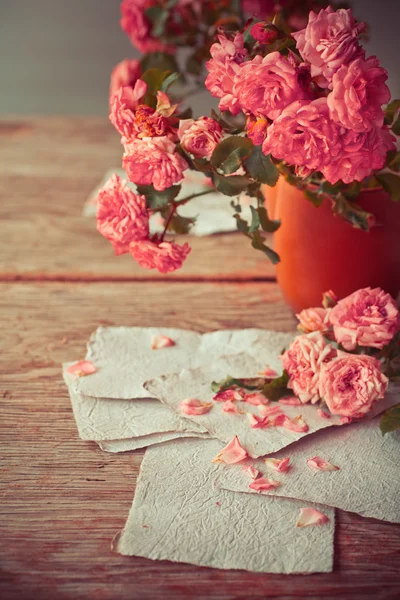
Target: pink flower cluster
{"x":334,"y":126}
{"x":138,"y":27}
{"x":350,"y":384}
{"x":123,"y":218}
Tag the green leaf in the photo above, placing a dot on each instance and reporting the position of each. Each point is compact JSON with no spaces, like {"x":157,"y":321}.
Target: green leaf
{"x":241,"y":224}
{"x":396,"y":127}
{"x":159,"y":60}
{"x":154,"y":79}
{"x":266,"y":223}
{"x":251,"y":384}
{"x":352,"y":212}
{"x":181,"y":225}
{"x":390,"y":420}
{"x":260,"y":167}
{"x":168,"y":81}
{"x":277,"y":388}
{"x":393,"y":161}
{"x":258,"y":244}
{"x":315,"y":197}
{"x":230,"y":153}
{"x":156,"y":199}
{"x":391,"y":110}
{"x":391,"y":184}
{"x":230,"y":186}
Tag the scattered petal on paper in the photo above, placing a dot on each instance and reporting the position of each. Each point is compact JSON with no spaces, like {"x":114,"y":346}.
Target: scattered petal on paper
{"x":161,"y":341}
{"x":281,"y":465}
{"x":310,"y":516}
{"x":82,"y":368}
{"x":319,"y":464}
{"x":192,"y":406}
{"x":262,"y":484}
{"x":231,"y":453}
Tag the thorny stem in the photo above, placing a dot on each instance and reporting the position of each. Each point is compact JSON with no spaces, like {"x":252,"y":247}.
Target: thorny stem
{"x":175,"y":205}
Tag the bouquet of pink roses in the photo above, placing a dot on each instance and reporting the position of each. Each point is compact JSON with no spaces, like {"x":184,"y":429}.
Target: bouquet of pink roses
{"x":306,"y":105}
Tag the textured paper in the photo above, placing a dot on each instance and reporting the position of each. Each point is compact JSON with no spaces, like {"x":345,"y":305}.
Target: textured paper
{"x":116,"y":446}
{"x":100,"y":419}
{"x":125,"y":360}
{"x":213,"y":212}
{"x":177,"y":515}
{"x":367,"y":483}
{"x":196,"y":383}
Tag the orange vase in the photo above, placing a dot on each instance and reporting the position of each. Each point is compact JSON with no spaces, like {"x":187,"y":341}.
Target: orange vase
{"x":320,"y":251}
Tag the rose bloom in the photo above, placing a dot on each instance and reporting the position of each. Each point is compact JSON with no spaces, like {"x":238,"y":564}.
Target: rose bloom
{"x":314,"y":319}
{"x":200,"y":137}
{"x":351,"y":383}
{"x":153,"y":161}
{"x":256,"y":129}
{"x":121,"y":215}
{"x":265,"y":86}
{"x":125,"y":73}
{"x":304,"y":135}
{"x":123,"y":105}
{"x":361,"y":154}
{"x":329,"y":41}
{"x":358,"y":92}
{"x":165,"y":257}
{"x":264,"y":32}
{"x":138,"y":27}
{"x":368,"y":317}
{"x":303,"y":361}
{"x":227,"y":56}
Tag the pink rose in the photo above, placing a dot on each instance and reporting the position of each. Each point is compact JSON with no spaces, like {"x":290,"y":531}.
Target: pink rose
{"x":264,"y":32}
{"x":227,"y":56}
{"x":125,"y":73}
{"x":368,"y":317}
{"x":256,"y":129}
{"x":305,"y":136}
{"x":350,"y":384}
{"x":200,"y":137}
{"x":265,"y":86}
{"x":329,"y":41}
{"x":358,"y":92}
{"x":153,"y":161}
{"x":138,"y":27}
{"x":165,"y":257}
{"x":303,"y":362}
{"x":361,"y":154}
{"x":314,"y":319}
{"x":122,"y":109}
{"x":121,"y":215}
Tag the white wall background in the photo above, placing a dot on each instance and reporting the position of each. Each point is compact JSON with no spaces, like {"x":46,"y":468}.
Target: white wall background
{"x":56,"y":55}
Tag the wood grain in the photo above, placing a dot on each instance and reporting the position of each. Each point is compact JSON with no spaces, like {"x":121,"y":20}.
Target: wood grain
{"x":48,"y":167}
{"x":62,"y":500}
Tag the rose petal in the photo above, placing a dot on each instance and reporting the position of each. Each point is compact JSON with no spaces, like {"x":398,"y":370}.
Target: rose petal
{"x":323,"y":414}
{"x":310,"y":516}
{"x":231,"y":394}
{"x":252,"y":471}
{"x":256,"y":399}
{"x":319,"y":464}
{"x":192,"y":406}
{"x":161,"y":341}
{"x":232,"y":453}
{"x":263,"y":485}
{"x":297,"y":424}
{"x":345,"y":420}
{"x":281,"y":465}
{"x":267,"y":411}
{"x":258,"y":422}
{"x":290,"y":401}
{"x":82,"y":368}
{"x":269,"y":373}
{"x":231,"y":407}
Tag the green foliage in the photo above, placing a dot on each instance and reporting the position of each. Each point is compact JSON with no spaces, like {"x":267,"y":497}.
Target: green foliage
{"x":232,"y":185}
{"x":159,"y":60}
{"x":393,"y":161}
{"x":258,"y":244}
{"x":155,"y":79}
{"x":390,"y":420}
{"x":260,"y":167}
{"x":260,"y":219}
{"x":391,"y":183}
{"x":277,"y":388}
{"x":352,"y":212}
{"x":273,"y":389}
{"x":168,"y":81}
{"x":181,"y":225}
{"x":230,"y":154}
{"x":158,"y":200}
{"x":391,"y":111}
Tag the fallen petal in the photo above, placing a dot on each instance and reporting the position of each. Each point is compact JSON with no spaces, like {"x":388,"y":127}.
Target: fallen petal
{"x":290,"y":401}
{"x":192,"y":406}
{"x":310,"y":516}
{"x":232,"y":394}
{"x":281,"y":465}
{"x":319,"y":464}
{"x":269,"y":373}
{"x":232,"y":453}
{"x":345,"y":420}
{"x":258,"y":422}
{"x":264,"y":485}
{"x":297,"y":424}
{"x":267,"y":411}
{"x":323,"y":414}
{"x":256,"y":399}
{"x":231,"y":407}
{"x":252,"y":471}
{"x":82,"y":368}
{"x":161,"y":341}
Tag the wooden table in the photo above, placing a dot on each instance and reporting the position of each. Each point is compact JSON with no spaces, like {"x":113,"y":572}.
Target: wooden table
{"x":62,"y":500}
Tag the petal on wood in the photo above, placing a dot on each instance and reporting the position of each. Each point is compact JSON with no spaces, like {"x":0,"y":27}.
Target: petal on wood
{"x":263,"y":484}
{"x":192,"y":406}
{"x":82,"y":368}
{"x":278,"y":464}
{"x":319,"y":464}
{"x":310,"y":516}
{"x":161,"y":341}
{"x":232,"y":453}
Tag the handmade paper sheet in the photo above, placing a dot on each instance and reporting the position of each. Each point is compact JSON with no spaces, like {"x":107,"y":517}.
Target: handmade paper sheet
{"x":116,"y":446}
{"x":213,"y":212}
{"x":367,"y":482}
{"x":100,"y":419}
{"x":178,"y":515}
{"x":124,"y":358}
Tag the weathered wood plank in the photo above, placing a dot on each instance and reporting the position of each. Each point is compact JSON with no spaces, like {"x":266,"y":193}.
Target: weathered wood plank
{"x":48,"y":167}
{"x":62,"y":500}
